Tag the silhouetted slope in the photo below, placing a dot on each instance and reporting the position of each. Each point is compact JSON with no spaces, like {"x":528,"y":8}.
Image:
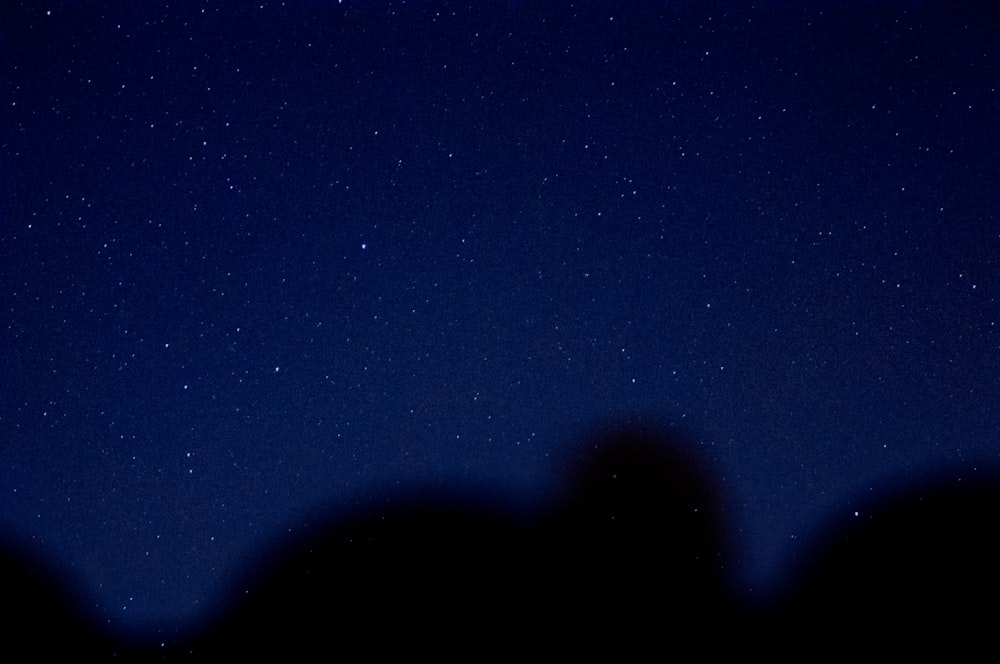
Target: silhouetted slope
{"x":910,"y":574}
{"x":629,"y":556}
{"x":40,"y":620}
{"x":628,"y":560}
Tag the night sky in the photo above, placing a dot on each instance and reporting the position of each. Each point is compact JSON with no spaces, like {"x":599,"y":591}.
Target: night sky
{"x":262,"y":264}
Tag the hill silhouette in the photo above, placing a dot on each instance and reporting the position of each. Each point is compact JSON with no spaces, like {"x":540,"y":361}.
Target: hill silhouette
{"x":630,"y":559}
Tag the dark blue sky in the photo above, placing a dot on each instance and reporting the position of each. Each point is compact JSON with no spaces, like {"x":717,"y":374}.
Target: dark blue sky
{"x":264,"y":263}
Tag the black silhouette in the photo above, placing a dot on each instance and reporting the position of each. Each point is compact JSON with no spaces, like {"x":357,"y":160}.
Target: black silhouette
{"x":629,"y":561}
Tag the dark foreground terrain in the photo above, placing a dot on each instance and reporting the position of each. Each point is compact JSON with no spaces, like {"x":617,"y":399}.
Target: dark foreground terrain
{"x":631,"y":560}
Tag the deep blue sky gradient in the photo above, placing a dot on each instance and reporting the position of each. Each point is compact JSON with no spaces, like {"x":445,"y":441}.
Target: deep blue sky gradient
{"x":263,"y":263}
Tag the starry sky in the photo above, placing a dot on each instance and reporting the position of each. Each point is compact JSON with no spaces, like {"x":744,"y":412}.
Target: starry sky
{"x":261,"y":263}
